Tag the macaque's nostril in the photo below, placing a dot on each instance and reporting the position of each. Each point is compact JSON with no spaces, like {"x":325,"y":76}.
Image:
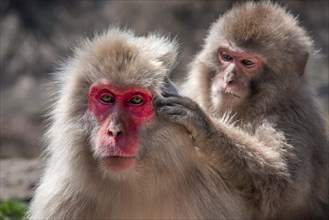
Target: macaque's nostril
{"x":229,"y":81}
{"x":229,"y":78}
{"x":114,"y":133}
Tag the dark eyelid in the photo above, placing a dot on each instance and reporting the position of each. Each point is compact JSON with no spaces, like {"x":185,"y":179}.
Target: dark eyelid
{"x":247,"y":60}
{"x":134,"y":96}
{"x":226,"y":56}
{"x":112,"y":100}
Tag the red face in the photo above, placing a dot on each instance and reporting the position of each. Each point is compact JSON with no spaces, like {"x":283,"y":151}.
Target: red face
{"x":120,"y":113}
{"x":236,"y":68}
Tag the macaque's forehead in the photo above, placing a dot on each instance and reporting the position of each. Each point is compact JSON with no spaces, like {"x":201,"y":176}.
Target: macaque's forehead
{"x":121,"y":63}
{"x":115,"y":88}
{"x":258,"y":24}
{"x":116,"y":57}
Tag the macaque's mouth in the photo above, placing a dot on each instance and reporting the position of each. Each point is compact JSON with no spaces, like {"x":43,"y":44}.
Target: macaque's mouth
{"x":224,"y":92}
{"x":118,"y":163}
{"x":119,"y":156}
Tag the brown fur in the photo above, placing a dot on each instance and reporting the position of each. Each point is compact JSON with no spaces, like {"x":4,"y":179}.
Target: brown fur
{"x":273,"y":147}
{"x":171,"y":180}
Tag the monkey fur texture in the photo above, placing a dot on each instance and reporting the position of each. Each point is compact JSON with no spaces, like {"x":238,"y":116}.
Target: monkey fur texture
{"x":171,"y":178}
{"x":260,"y":127}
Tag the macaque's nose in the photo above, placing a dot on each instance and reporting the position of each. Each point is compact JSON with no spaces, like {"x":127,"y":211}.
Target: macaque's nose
{"x":229,"y":74}
{"x":114,"y":133}
{"x":115,"y":128}
{"x":229,"y":78}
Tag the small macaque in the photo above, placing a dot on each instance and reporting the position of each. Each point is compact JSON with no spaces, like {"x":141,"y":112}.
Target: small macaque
{"x":250,"y":112}
{"x":110,"y":155}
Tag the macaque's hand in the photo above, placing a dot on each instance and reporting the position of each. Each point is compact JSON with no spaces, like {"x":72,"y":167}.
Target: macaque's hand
{"x":183,"y":110}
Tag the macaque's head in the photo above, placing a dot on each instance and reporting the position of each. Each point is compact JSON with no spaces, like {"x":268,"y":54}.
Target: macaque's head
{"x":109,"y":87}
{"x":253,"y":52}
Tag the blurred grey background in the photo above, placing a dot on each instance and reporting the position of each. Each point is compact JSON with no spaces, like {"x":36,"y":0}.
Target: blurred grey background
{"x":35,"y":35}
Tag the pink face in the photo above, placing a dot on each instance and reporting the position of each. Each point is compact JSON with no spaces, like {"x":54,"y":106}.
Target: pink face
{"x":120,"y":113}
{"x":236,"y":68}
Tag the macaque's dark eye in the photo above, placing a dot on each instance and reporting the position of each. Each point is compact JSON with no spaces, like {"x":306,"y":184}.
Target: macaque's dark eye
{"x":136,"y":100}
{"x":226,"y":57}
{"x":107,"y":98}
{"x":247,"y":63}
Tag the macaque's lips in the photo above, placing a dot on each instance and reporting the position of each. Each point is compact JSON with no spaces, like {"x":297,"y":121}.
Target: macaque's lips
{"x":224,"y":92}
{"x":118,"y":163}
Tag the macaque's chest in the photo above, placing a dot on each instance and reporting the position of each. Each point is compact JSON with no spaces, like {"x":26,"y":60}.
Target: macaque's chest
{"x":134,"y":208}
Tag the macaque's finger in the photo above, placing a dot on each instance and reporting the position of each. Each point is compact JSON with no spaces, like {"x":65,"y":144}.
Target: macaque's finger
{"x":169,"y":88}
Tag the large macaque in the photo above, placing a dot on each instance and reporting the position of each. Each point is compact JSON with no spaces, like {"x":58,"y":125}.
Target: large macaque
{"x":110,"y":155}
{"x":257,"y":123}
